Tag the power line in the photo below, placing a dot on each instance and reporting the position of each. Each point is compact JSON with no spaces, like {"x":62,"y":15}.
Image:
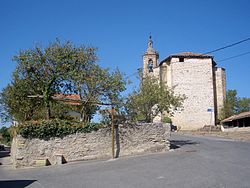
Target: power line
{"x":212,"y":51}
{"x":200,"y":65}
{"x":232,"y":57}
{"x":228,"y":46}
{"x":194,"y":66}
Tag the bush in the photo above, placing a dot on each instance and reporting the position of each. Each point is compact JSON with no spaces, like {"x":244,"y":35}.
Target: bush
{"x":5,"y":136}
{"x":54,"y":128}
{"x":166,"y":120}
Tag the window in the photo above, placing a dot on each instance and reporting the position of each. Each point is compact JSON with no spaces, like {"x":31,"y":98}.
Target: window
{"x":181,"y":59}
{"x":150,"y":65}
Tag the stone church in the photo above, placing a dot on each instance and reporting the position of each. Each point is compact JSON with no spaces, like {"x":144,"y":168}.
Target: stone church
{"x":196,"y":76}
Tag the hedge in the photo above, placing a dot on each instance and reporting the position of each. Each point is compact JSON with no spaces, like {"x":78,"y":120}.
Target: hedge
{"x":54,"y":128}
{"x":166,"y":120}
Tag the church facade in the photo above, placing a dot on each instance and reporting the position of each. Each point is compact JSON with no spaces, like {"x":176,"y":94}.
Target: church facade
{"x":197,"y":77}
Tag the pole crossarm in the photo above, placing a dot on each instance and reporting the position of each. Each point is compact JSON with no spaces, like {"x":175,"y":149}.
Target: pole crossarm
{"x":59,"y":98}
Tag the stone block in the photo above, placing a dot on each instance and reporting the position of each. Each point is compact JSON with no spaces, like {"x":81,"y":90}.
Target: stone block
{"x":41,"y":162}
{"x":59,"y":159}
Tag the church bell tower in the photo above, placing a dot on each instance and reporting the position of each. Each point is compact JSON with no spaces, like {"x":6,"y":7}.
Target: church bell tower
{"x":150,"y":59}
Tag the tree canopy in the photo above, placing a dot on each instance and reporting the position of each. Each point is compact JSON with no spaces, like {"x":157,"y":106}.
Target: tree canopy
{"x":59,"y":68}
{"x":151,"y":98}
{"x":4,"y":117}
{"x":234,"y":104}
{"x":5,"y":136}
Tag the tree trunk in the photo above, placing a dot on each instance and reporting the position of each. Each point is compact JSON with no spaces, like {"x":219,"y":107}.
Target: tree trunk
{"x":47,"y":97}
{"x":48,"y":112}
{"x":47,"y":105}
{"x":82,"y":114}
{"x":84,"y":117}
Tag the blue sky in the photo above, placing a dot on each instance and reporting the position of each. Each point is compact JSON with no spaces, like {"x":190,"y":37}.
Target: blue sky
{"x":120,"y":30}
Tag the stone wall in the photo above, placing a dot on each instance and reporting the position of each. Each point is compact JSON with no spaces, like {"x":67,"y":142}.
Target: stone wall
{"x":194,"y":78}
{"x":220,"y":79}
{"x":130,"y":140}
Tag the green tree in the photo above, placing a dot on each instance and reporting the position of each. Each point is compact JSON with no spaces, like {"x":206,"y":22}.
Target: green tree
{"x":231,"y":104}
{"x":243,"y":105}
{"x":16,"y":103}
{"x":97,"y":86}
{"x":48,"y":69}
{"x":4,"y":116}
{"x":60,"y":68}
{"x":234,"y":104}
{"x":152,"y":95}
{"x":5,"y":136}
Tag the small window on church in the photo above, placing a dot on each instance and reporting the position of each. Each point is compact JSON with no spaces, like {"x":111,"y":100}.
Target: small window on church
{"x":181,"y":59}
{"x":150,"y":65}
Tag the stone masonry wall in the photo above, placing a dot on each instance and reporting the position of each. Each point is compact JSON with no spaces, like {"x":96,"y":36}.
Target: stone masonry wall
{"x":194,"y":78}
{"x":220,"y":78}
{"x":130,"y":140}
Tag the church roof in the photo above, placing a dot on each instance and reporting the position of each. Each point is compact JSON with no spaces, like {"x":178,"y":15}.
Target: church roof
{"x":191,"y":54}
{"x":187,"y":55}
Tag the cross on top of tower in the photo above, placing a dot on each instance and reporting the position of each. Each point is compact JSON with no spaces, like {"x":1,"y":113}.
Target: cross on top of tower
{"x":150,"y":49}
{"x":150,"y":42}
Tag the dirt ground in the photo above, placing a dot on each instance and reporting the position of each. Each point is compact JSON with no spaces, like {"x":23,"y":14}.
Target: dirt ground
{"x":242,"y":136}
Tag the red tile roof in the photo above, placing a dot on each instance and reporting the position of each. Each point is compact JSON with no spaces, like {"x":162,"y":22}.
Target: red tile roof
{"x":72,"y":99}
{"x":235,"y":117}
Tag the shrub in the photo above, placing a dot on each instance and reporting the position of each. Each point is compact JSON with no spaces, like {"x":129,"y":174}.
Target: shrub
{"x":167,"y":120}
{"x":5,"y":136}
{"x":54,"y":128}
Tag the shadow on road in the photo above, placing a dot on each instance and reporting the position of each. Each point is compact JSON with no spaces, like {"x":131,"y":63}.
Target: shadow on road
{"x":15,"y":183}
{"x":175,"y":144}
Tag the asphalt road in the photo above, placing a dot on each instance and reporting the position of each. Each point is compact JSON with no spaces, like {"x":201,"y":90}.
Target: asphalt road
{"x":195,"y":162}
